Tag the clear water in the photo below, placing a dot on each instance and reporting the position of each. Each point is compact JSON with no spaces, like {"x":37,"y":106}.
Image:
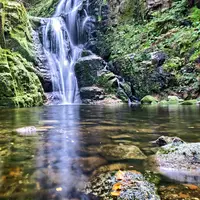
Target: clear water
{"x":63,"y":44}
{"x":49,"y":165}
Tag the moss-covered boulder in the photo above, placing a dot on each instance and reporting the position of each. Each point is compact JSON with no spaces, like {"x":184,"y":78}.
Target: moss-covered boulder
{"x":189,"y":102}
{"x":174,"y":100}
{"x":19,"y":85}
{"x":88,"y":70}
{"x":16,"y":28}
{"x":149,"y":100}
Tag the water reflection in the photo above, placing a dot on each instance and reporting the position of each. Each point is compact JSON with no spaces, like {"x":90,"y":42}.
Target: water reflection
{"x":57,"y":151}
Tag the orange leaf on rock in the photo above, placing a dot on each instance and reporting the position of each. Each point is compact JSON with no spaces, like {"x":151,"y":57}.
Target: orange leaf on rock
{"x":115,"y":193}
{"x":117,"y":186}
{"x":191,"y":186}
{"x":182,"y":195}
{"x":15,"y":172}
{"x":119,"y":175}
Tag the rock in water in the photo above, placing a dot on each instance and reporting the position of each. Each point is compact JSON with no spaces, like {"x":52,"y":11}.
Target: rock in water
{"x":164,"y":140}
{"x":121,"y":152}
{"x":122,"y":185}
{"x":178,"y":160}
{"x":27,"y":131}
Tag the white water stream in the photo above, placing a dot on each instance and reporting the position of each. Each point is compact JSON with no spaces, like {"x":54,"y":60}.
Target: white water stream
{"x":63,"y":47}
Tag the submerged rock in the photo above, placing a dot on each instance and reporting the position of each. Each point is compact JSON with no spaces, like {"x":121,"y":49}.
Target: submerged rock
{"x":89,"y":164}
{"x":27,"y":131}
{"x":121,"y":152}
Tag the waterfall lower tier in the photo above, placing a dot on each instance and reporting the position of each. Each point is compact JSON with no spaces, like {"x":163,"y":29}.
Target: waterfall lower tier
{"x":63,"y":42}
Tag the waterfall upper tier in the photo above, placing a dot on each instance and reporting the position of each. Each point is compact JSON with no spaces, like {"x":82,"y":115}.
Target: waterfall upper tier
{"x":63,"y":43}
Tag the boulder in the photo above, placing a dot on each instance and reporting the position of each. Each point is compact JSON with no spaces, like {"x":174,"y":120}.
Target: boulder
{"x":27,"y":131}
{"x":121,"y":185}
{"x":149,"y":100}
{"x":177,"y":160}
{"x":173,"y":100}
{"x":121,"y":152}
{"x":88,"y":70}
{"x":189,"y":102}
{"x":164,"y":140}
{"x":158,"y":4}
{"x":158,"y":58}
{"x":91,"y":94}
{"x":88,"y":164}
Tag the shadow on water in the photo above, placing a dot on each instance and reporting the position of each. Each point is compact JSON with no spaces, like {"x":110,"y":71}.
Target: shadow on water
{"x":56,"y":163}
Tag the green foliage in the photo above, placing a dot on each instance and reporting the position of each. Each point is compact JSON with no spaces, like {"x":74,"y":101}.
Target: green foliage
{"x":108,"y":81}
{"x":175,"y":31}
{"x":195,"y":15}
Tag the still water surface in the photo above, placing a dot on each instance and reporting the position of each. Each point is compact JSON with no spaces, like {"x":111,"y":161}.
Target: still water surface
{"x":54,"y":164}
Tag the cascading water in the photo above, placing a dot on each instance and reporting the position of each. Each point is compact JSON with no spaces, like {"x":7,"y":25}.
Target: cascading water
{"x":63,"y":45}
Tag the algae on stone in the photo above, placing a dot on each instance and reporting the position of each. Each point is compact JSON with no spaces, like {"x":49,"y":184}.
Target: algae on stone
{"x":17,"y":29}
{"x":19,"y":87}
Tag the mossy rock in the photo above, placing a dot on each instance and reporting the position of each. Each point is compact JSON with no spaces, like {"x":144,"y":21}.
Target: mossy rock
{"x":189,"y":102}
{"x":19,"y":85}
{"x":174,"y":100}
{"x":16,"y":29}
{"x":163,"y":103}
{"x":149,"y":100}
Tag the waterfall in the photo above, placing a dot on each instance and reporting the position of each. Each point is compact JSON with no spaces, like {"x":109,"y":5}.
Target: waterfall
{"x":63,"y":36}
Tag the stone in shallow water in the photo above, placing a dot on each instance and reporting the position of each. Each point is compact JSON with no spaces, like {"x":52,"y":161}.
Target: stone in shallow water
{"x":130,"y":184}
{"x":178,"y":161}
{"x":164,"y":140}
{"x":27,"y":131}
{"x":149,"y":100}
{"x":121,"y":152}
{"x":89,"y":164}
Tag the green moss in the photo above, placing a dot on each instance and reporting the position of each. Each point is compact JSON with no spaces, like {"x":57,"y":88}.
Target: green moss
{"x":41,"y":8}
{"x":17,"y":29}
{"x":189,"y":102}
{"x":18,"y":86}
{"x":149,"y":100}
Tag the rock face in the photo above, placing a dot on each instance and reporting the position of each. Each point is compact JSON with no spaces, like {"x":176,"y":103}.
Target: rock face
{"x":19,"y":84}
{"x":17,"y":29}
{"x":88,"y":69}
{"x":158,"y":4}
